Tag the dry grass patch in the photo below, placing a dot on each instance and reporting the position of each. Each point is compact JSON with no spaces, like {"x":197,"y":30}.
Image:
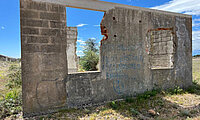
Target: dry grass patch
{"x":184,"y":100}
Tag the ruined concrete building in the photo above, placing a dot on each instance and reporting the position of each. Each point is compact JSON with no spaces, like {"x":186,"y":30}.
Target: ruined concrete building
{"x":8,"y":59}
{"x":143,"y":49}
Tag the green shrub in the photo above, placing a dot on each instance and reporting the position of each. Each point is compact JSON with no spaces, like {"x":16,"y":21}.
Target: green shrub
{"x":14,"y":94}
{"x":12,"y":100}
{"x":90,"y":58}
{"x":11,"y":104}
{"x":134,"y":112}
{"x":13,"y":67}
{"x":148,"y":94}
{"x":195,"y":88}
{"x":113,"y":105}
{"x":89,"y":61}
{"x":14,"y":77}
{"x":185,"y":113}
{"x":129,"y":100}
{"x":176,"y":90}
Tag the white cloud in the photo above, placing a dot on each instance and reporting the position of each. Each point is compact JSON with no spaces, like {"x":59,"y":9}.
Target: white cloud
{"x":196,"y":35}
{"x":2,"y":27}
{"x":197,"y":12}
{"x":81,"y":25}
{"x":81,"y":42}
{"x":191,"y":7}
{"x":196,"y":40}
{"x":93,"y":38}
{"x":196,"y":22}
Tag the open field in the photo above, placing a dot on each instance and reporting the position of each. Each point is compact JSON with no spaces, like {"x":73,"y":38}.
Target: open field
{"x":175,"y":104}
{"x":196,"y":69}
{"x":4,"y":71}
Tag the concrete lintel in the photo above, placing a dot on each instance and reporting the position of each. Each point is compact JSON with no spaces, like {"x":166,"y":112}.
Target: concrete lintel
{"x":103,"y":6}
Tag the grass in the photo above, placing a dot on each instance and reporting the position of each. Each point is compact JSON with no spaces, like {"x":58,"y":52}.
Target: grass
{"x":175,"y":104}
{"x":10,"y":95}
{"x":196,"y":69}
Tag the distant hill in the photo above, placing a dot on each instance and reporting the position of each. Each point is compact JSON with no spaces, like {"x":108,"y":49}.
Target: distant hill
{"x":195,"y":52}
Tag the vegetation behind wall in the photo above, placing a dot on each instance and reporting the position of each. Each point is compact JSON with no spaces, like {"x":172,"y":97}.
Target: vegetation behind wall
{"x":90,"y":58}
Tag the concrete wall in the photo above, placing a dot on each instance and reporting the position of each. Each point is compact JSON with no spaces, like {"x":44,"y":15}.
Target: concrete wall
{"x":85,"y":89}
{"x":143,"y":50}
{"x":44,"y":60}
{"x":146,"y":50}
{"x":71,"y":49}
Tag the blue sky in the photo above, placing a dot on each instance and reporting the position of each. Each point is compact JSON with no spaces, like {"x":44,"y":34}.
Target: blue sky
{"x":88,"y":21}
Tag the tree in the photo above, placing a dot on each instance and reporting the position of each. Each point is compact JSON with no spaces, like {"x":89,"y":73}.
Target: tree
{"x":90,"y":58}
{"x":91,"y":45}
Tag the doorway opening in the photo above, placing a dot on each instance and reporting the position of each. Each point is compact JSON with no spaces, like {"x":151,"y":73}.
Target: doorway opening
{"x":83,"y":39}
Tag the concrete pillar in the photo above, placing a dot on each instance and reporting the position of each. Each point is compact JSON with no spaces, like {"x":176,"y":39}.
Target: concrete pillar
{"x":44,"y":60}
{"x":71,"y":49}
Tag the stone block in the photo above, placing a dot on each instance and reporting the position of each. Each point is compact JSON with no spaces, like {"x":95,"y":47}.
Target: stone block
{"x":72,"y":32}
{"x":162,"y":48}
{"x":50,"y":16}
{"x":170,"y":47}
{"x":155,"y":49}
{"x":164,"y":33}
{"x":29,"y":14}
{"x":53,"y":8}
{"x":36,"y":5}
{"x":72,"y":28}
{"x":55,"y":24}
{"x":37,"y":39}
{"x":55,"y":40}
{"x":51,"y":48}
{"x":71,"y":36}
{"x":31,"y":48}
{"x":34,"y":23}
{"x":161,"y":61}
{"x":169,"y":33}
{"x":53,"y":32}
{"x":62,"y":9}
{"x":63,"y":17}
{"x":56,"y":8}
{"x":30,"y":31}
{"x":165,"y":39}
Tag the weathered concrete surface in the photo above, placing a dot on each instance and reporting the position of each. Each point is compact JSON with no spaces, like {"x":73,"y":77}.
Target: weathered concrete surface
{"x":98,"y":5}
{"x":146,"y":50}
{"x":85,"y":89}
{"x":44,"y":60}
{"x":71,"y":49}
{"x":142,"y":50}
